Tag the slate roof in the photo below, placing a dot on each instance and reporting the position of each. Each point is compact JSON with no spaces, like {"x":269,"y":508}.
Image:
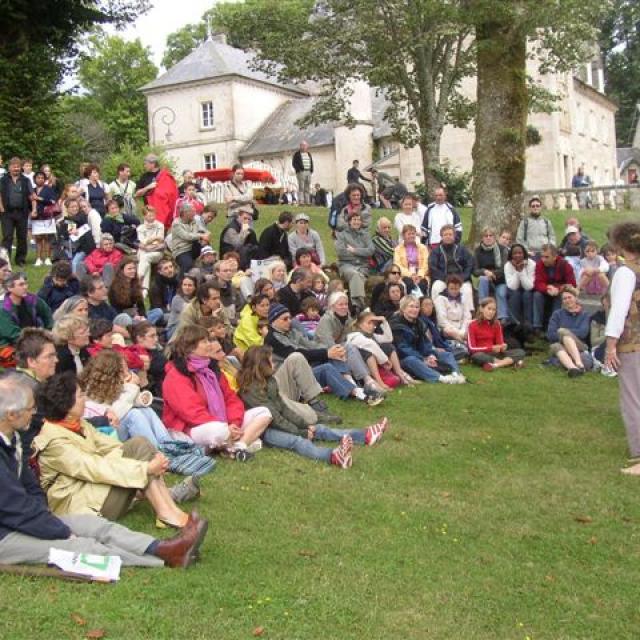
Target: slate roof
{"x":214,"y":59}
{"x":627,"y":155}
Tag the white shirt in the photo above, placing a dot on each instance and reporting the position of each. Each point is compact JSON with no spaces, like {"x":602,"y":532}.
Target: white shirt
{"x":414,"y":219}
{"x":439,"y":216}
{"x":520,"y":279}
{"x":622,"y":288}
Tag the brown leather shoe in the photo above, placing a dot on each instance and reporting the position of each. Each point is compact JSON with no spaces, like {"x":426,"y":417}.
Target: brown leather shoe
{"x":182,"y":549}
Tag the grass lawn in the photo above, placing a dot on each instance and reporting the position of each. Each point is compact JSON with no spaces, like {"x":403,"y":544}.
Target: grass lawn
{"x":493,"y":510}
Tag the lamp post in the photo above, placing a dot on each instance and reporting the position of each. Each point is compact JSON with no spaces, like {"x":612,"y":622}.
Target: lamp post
{"x":168,"y":117}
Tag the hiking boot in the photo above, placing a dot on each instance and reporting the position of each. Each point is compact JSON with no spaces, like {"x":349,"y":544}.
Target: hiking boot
{"x":324,"y":416}
{"x":373,"y":398}
{"x":188,"y":489}
{"x":341,"y":455}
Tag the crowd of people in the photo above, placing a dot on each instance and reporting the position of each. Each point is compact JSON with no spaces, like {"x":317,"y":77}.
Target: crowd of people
{"x":148,"y":350}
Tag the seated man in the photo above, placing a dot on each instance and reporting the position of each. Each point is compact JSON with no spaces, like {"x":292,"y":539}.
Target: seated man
{"x":299,"y":288}
{"x":60,"y":285}
{"x":450,"y":258}
{"x":28,"y":529}
{"x":21,"y":309}
{"x":223,"y":271}
{"x":274,"y":240}
{"x":328,"y":364}
{"x":164,"y":286}
{"x":207,"y":302}
{"x":187,"y":238}
{"x":95,"y":291}
{"x":552,"y":273}
{"x":239,"y":236}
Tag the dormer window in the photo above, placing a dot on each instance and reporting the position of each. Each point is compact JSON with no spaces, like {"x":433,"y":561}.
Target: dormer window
{"x":207,"y":114}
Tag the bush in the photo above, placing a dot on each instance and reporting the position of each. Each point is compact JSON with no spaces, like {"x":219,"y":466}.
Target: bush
{"x":133,"y":156}
{"x":457,"y":183}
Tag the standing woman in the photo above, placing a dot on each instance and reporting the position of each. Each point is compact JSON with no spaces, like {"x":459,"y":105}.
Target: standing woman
{"x":623,"y":333}
{"x":238,"y":194}
{"x":43,"y":226}
{"x":95,"y":190}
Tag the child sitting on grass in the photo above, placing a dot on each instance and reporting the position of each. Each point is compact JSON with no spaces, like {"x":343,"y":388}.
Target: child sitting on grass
{"x":593,"y":271}
{"x":288,"y":430}
{"x":486,"y":342}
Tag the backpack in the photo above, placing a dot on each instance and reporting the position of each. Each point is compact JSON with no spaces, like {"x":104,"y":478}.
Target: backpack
{"x":526,"y":227}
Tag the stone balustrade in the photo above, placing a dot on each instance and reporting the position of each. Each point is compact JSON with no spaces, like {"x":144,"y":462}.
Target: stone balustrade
{"x":612,"y":196}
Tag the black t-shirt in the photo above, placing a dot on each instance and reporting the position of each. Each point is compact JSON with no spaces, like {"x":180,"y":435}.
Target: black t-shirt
{"x":146,"y":179}
{"x":25,"y":319}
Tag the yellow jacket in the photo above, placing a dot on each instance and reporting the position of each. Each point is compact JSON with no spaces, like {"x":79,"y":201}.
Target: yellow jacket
{"x":77,"y":472}
{"x":246,"y":334}
{"x":400,"y":258}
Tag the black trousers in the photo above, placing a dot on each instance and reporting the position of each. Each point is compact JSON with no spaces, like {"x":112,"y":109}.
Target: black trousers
{"x":15,"y":221}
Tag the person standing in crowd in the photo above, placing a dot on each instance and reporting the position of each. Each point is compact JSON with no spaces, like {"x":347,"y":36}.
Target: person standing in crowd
{"x":535,"y":230}
{"x":303,"y":166}
{"x":439,"y":214}
{"x":159,"y":189}
{"x":16,"y":205}
{"x":623,"y":333}
{"x":43,"y":226}
{"x":354,"y":176}
{"x":94,"y":190}
{"x":123,"y":190}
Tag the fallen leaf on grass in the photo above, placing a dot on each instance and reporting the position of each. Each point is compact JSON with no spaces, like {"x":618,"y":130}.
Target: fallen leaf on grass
{"x":593,"y":540}
{"x":397,"y":437}
{"x":445,"y":494}
{"x":265,"y":483}
{"x":307,"y":553}
{"x":583,"y":519}
{"x":96,"y":634}
{"x":78,"y":619}
{"x":258,"y":631}
{"x":550,"y":578}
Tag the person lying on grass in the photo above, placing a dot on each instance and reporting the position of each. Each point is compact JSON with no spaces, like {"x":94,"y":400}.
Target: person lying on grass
{"x":486,"y":342}
{"x":28,"y":529}
{"x":288,"y":429}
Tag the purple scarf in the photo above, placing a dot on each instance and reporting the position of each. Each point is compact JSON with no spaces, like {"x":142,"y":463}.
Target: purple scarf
{"x":210,"y":384}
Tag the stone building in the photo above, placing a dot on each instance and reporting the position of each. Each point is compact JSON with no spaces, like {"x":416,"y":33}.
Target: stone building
{"x":212,"y":109}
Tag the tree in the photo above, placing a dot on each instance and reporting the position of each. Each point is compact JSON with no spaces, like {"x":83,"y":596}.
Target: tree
{"x":620,"y":45}
{"x":112,"y":71}
{"x":413,"y":50}
{"x":557,"y":37}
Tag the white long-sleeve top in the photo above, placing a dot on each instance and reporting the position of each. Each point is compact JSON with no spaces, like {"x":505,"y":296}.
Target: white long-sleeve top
{"x":520,"y":279}
{"x":622,"y":288}
{"x":452,"y":314}
{"x":414,"y":219}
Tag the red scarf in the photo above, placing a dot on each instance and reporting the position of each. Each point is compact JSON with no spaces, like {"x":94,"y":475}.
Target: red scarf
{"x":72,"y":424}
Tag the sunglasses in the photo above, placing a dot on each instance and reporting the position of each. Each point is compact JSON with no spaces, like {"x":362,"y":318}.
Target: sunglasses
{"x":395,"y":273}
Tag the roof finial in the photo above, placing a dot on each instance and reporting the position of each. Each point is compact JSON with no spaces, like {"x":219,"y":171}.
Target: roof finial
{"x":209,"y":32}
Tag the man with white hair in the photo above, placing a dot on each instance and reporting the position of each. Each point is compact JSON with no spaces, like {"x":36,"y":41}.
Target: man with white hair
{"x":28,"y":529}
{"x":303,"y":166}
{"x":438,"y":214}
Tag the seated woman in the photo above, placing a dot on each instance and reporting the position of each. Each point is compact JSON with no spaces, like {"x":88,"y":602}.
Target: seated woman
{"x":408,"y":216}
{"x":288,"y":428}
{"x":454,"y":311}
{"x":389,"y":301}
{"x":304,"y":260}
{"x":187,"y":286}
{"x":353,"y":249}
{"x":392,"y":275}
{"x":303,"y":236}
{"x":75,"y":232}
{"x":277,"y":274}
{"x":417,"y":354}
{"x":83,"y":471}
{"x":568,"y":333}
{"x":333,"y":329}
{"x":73,"y":306}
{"x":199,"y":403}
{"x":384,"y":244}
{"x":593,"y":271}
{"x":372,"y":334}
{"x":488,"y":266}
{"x":246,"y":333}
{"x":519,"y":273}
{"x":125,"y":292}
{"x":102,"y":260}
{"x":145,"y":340}
{"x":355,"y":195}
{"x":486,"y":342}
{"x":71,"y":334}
{"x":413,"y":259}
{"x":429,"y":316}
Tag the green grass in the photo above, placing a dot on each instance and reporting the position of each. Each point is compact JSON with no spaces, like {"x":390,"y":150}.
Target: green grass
{"x":491,"y":511}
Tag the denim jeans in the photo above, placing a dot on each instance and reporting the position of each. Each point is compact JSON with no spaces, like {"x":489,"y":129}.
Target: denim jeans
{"x":307,"y":448}
{"x":143,"y":421}
{"x":77,"y":259}
{"x":539,"y":307}
{"x":500,"y":291}
{"x":419,"y":369}
{"x":521,"y":306}
{"x":330,"y":375}
{"x":155,"y":316}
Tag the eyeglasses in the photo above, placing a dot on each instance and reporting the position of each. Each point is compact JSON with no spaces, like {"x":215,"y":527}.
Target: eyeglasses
{"x":395,"y":273}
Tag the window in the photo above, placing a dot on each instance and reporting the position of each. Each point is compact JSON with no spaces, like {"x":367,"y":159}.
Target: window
{"x":207,"y":114}
{"x":209,"y":161}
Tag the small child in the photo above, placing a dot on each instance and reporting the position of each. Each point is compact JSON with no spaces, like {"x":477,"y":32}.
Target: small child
{"x":319,"y":289}
{"x":263,"y":327}
{"x":310,"y":316}
{"x":593,"y":269}
{"x":102,"y":337}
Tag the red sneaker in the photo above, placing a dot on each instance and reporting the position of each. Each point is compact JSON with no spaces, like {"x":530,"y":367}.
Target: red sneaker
{"x":375,"y":432}
{"x":341,"y":455}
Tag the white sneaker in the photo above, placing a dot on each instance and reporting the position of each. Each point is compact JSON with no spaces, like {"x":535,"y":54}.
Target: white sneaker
{"x":450,"y":379}
{"x":459,"y":377}
{"x":47,"y":262}
{"x":607,"y":372}
{"x":38,"y":263}
{"x":255,"y":446}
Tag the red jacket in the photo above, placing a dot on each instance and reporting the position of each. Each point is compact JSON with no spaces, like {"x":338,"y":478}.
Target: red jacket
{"x":563,"y":274}
{"x":483,"y":335}
{"x":130,"y":353}
{"x":98,"y":258}
{"x":185,"y":405}
{"x":164,"y":197}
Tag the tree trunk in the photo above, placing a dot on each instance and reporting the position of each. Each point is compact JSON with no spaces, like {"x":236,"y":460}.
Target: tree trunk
{"x":430,"y":152}
{"x":501,"y":127}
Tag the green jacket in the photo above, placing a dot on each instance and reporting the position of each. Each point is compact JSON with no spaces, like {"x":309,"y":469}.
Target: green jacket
{"x":10,"y":328}
{"x":283,"y":418}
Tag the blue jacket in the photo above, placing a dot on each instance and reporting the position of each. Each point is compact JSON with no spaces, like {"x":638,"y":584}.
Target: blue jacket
{"x":578,"y":323}
{"x":55,"y":296}
{"x":436,"y":337}
{"x":23,"y":506}
{"x":410,"y":338}
{"x":461,"y":263}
